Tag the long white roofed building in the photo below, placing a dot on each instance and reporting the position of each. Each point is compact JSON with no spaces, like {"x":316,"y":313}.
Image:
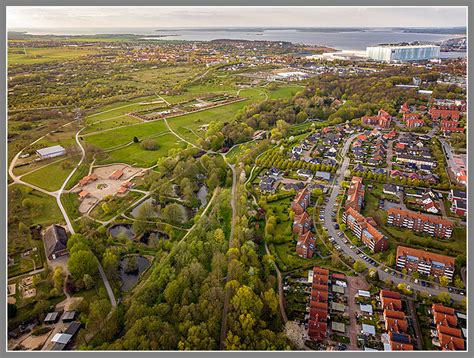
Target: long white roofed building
{"x":388,"y":53}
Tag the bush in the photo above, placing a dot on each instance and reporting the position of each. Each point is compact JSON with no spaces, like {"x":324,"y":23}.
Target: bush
{"x":149,"y":144}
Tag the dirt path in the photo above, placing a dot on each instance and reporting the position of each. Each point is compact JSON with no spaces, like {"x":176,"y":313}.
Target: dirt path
{"x":281,"y":296}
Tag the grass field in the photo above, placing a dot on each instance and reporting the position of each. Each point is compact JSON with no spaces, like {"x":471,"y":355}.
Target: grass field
{"x":285,"y":92}
{"x":71,"y":203}
{"x":113,"y":122}
{"x":52,"y":176}
{"x":16,"y":56}
{"x":135,"y":155}
{"x":46,"y":210}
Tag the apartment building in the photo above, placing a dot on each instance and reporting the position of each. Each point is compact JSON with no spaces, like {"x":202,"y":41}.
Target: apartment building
{"x":426,"y":263}
{"x":417,"y":222}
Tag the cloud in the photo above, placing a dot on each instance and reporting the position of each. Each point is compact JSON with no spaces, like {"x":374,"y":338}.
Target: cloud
{"x":172,"y":17}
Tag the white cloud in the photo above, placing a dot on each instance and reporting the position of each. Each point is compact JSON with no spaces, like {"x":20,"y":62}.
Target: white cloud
{"x":172,"y":17}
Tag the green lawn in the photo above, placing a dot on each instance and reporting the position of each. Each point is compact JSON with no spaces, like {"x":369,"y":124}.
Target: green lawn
{"x":117,"y":121}
{"x":46,"y":210}
{"x":285,"y":92}
{"x":16,"y":56}
{"x":52,"y":177}
{"x":121,"y":136}
{"x":135,"y":155}
{"x":71,"y":203}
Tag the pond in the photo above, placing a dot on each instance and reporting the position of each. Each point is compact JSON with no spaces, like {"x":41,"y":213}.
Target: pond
{"x":130,"y":279}
{"x":153,"y":236}
{"x":202,"y":195}
{"x":121,"y":229}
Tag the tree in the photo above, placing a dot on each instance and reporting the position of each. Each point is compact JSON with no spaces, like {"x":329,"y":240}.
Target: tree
{"x":444,"y":298}
{"x":110,"y":262}
{"x":82,"y":262}
{"x":173,"y":213}
{"x":135,"y":140}
{"x":444,"y":281}
{"x":58,"y":278}
{"x":88,"y":281}
{"x":458,"y":283}
{"x":149,"y":144}
{"x":131,"y":267}
{"x":359,"y":266}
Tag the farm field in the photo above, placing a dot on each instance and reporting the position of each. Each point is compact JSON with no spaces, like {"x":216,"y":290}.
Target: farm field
{"x":16,"y":56}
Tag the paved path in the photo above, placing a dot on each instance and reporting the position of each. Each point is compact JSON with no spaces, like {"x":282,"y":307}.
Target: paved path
{"x":354,"y":254}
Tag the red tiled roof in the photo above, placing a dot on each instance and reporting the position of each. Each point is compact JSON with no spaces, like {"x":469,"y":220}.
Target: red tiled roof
{"x":394,"y":314}
{"x":418,"y":216}
{"x":450,"y":343}
{"x":425,"y":256}
{"x":390,"y":294}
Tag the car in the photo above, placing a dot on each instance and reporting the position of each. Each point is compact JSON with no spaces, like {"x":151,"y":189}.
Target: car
{"x":400,"y":275}
{"x":461,"y":292}
{"x":423,"y":283}
{"x":393,"y":273}
{"x":386,"y":269}
{"x":450,"y":289}
{"x":416,"y":280}
{"x":336,"y":226}
{"x":352,"y":247}
{"x":346,"y":241}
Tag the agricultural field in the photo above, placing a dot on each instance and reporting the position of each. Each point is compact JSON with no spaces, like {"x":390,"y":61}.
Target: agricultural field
{"x":17,"y":56}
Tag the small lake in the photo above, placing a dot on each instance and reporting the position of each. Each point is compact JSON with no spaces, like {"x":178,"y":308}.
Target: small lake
{"x":202,"y":195}
{"x":130,"y":280}
{"x":121,"y":229}
{"x":153,"y":235}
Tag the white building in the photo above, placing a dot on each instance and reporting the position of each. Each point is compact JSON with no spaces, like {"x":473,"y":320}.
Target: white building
{"x":403,"y":53}
{"x":51,"y":152}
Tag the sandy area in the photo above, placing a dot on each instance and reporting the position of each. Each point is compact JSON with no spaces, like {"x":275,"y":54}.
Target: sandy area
{"x":33,"y":342}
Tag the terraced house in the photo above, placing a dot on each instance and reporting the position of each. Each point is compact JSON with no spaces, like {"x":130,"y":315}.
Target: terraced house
{"x":426,"y":263}
{"x":417,"y":222}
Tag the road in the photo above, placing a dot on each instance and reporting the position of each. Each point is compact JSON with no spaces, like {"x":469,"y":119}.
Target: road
{"x":353,"y":254}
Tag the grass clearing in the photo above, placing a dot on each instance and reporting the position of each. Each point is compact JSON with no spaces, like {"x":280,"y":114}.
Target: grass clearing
{"x":17,"y":56}
{"x":45,"y":208}
{"x":53,"y":176}
{"x":135,"y":155}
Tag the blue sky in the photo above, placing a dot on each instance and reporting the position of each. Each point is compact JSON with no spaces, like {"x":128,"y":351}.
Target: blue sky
{"x":172,"y":17}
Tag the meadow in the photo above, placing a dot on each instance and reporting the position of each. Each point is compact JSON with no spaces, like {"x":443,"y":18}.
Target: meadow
{"x":17,"y":56}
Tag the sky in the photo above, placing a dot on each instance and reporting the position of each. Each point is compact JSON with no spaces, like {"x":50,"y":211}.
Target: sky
{"x":179,"y":17}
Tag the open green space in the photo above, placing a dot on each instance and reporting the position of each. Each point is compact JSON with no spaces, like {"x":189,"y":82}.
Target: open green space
{"x":109,"y":207}
{"x":52,"y":176}
{"x":135,"y":155}
{"x":113,"y":122}
{"x":45,"y":210}
{"x":17,"y":56}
